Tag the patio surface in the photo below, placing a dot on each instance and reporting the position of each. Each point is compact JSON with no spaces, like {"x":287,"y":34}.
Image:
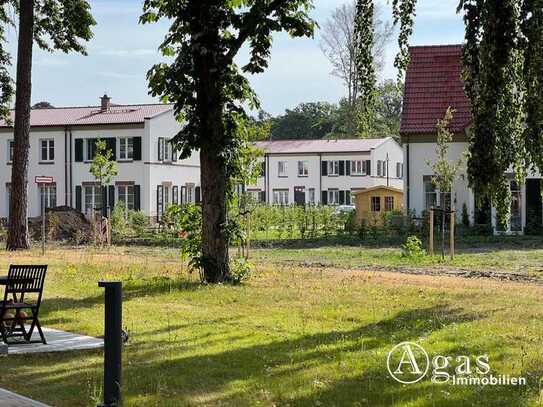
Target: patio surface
{"x":9,"y":399}
{"x":57,"y":341}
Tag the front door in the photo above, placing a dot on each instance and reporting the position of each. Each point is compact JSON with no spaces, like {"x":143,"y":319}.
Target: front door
{"x":299,"y":195}
{"x":534,"y":207}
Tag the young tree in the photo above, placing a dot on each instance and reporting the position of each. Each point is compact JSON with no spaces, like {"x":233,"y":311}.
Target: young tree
{"x":103,"y":167}
{"x":209,"y":90}
{"x":52,"y":24}
{"x":445,"y":171}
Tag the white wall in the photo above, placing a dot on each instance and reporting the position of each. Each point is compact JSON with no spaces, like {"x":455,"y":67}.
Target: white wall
{"x":35,"y":168}
{"x":340,"y":182}
{"x":419,"y":156}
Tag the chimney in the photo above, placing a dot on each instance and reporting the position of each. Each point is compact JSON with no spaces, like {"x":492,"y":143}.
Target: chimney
{"x":105,"y":103}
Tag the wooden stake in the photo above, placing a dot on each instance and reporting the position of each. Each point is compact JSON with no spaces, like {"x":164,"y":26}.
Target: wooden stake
{"x":451,"y":237}
{"x":431,"y":239}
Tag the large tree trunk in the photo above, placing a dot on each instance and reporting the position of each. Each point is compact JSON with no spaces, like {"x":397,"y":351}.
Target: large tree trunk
{"x":214,"y":213}
{"x":18,"y":218}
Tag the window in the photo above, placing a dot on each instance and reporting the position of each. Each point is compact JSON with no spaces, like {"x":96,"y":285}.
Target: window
{"x":358,"y":167}
{"x":166,"y":192}
{"x":311,"y":196}
{"x":333,"y":197}
{"x":126,"y":148}
{"x":190,"y":193}
{"x":11,"y":146}
{"x":303,"y":168}
{"x":91,"y":149}
{"x":126,"y":196}
{"x":399,"y":170}
{"x":376,"y":204}
{"x":389,"y":203}
{"x":254,"y":195}
{"x":282,"y":169}
{"x":47,"y":150}
{"x":333,"y":167}
{"x":93,"y":198}
{"x":430,"y":194}
{"x":379,"y":173}
{"x":48,"y":196}
{"x":280,"y":196}
{"x":167,"y":150}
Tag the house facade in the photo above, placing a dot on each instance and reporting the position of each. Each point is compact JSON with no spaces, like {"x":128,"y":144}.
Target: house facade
{"x":325,"y":172}
{"x":62,"y":145}
{"x":433,"y":83}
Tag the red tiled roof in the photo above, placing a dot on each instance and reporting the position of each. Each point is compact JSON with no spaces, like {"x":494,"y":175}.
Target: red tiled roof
{"x":433,"y":83}
{"x":319,"y":146}
{"x":91,"y":115}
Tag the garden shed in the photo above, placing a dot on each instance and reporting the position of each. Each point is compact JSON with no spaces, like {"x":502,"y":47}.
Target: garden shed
{"x":372,"y":203}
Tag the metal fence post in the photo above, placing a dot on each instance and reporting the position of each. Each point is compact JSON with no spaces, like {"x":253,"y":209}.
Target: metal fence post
{"x":112,"y":343}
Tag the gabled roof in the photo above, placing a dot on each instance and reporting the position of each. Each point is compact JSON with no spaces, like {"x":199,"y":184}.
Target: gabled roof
{"x":92,"y":115}
{"x":319,"y":146}
{"x":433,"y":83}
{"x":377,"y":188}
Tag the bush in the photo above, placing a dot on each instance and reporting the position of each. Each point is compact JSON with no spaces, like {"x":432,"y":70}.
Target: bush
{"x":138,"y":221}
{"x":412,"y":248}
{"x":240,"y":269}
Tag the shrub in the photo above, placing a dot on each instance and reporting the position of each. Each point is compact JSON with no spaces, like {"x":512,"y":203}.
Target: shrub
{"x":138,"y":221}
{"x":412,"y":248}
{"x":119,"y":222}
{"x":240,"y":269}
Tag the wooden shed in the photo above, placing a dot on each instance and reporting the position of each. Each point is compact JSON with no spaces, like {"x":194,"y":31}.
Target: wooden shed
{"x":372,"y":203}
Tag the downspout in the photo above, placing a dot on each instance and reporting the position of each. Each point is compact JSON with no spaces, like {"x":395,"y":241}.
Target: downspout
{"x":66,"y":166}
{"x":320,"y":178}
{"x":267,"y":185}
{"x":71,"y":170}
{"x":407,"y":186}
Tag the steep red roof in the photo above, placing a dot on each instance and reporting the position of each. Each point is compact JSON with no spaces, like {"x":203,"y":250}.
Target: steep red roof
{"x":433,"y":83}
{"x":92,"y":115}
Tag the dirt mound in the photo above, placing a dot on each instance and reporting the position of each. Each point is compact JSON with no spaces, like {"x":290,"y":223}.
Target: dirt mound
{"x":62,"y":223}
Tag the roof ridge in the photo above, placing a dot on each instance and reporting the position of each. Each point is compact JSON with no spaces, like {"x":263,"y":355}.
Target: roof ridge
{"x":437,"y":46}
{"x":323,"y":139}
{"x":98,"y":106}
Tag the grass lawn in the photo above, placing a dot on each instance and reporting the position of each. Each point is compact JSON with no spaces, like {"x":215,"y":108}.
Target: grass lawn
{"x":294,"y":334}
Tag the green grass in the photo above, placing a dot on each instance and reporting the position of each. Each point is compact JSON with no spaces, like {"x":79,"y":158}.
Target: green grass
{"x":292,"y":335}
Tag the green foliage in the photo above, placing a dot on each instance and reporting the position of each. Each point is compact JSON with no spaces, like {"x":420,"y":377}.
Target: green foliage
{"x":189,"y":223}
{"x":119,"y":220}
{"x":138,"y":221}
{"x":465,"y":215}
{"x":445,"y":171}
{"x":240,"y":270}
{"x":103,"y":167}
{"x":403,"y":12}
{"x":363,"y":33}
{"x":412,"y":248}
{"x":58,"y":25}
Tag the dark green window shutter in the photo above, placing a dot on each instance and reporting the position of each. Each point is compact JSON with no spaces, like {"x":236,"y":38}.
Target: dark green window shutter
{"x":174,"y":152}
{"x":78,"y":197}
{"x":78,"y":150}
{"x":347,"y":197}
{"x":263,"y":171}
{"x":111,"y":196}
{"x":324,"y":168}
{"x":198,"y":194}
{"x":137,"y":148}
{"x":347,"y":167}
{"x":368,"y":167}
{"x":342,"y":197}
{"x":262,"y":196}
{"x":111,"y":144}
{"x":183,"y":195}
{"x":342,"y":167}
{"x":104,"y":201}
{"x":324,"y":198}
{"x":137,"y":198}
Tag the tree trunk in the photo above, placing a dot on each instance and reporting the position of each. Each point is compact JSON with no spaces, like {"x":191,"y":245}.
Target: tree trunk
{"x":214,"y":212}
{"x":18,"y":218}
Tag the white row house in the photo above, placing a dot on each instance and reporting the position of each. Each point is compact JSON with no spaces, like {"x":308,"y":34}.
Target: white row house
{"x":326,"y":172}
{"x":62,"y":145}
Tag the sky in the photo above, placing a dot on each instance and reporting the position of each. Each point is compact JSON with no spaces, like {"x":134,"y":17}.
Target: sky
{"x":122,"y":51}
